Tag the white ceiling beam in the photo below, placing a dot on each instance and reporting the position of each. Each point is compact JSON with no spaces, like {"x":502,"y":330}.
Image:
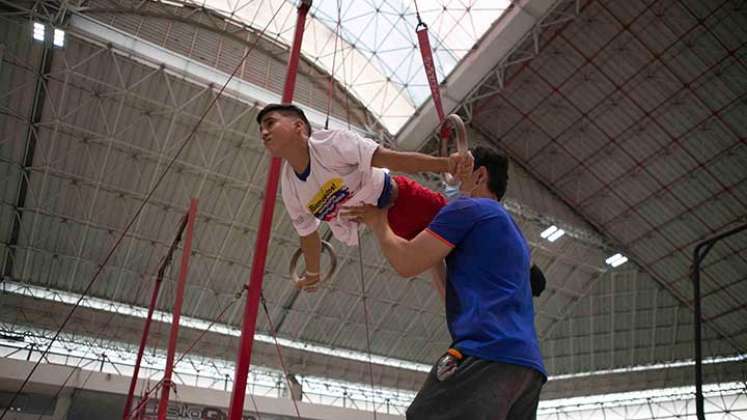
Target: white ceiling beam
{"x":198,"y":73}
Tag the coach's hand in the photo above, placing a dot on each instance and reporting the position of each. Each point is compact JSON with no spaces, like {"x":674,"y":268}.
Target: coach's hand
{"x":372,"y":216}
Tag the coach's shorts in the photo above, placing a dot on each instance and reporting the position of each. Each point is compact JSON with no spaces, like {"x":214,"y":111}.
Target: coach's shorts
{"x":479,"y":390}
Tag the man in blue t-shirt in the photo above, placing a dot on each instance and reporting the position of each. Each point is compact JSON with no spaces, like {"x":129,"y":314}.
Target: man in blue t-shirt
{"x":494,"y":368}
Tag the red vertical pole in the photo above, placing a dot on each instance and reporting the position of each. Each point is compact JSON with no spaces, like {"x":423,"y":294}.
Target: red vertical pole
{"x":142,"y":406}
{"x":149,"y":318}
{"x":141,"y":349}
{"x":177,"y":312}
{"x":248,"y":327}
{"x":140,"y":409}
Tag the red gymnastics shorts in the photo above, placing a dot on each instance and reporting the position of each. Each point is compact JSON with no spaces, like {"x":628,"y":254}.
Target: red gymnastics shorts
{"x":414,"y":207}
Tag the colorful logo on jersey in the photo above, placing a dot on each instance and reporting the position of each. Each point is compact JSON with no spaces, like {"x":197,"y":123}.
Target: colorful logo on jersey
{"x":326,"y":203}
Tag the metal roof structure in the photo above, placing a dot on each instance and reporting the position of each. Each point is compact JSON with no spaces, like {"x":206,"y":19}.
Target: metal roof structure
{"x":625,"y":122}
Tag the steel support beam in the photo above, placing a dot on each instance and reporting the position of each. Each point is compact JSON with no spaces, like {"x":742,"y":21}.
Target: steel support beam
{"x":35,"y":117}
{"x":201,"y":74}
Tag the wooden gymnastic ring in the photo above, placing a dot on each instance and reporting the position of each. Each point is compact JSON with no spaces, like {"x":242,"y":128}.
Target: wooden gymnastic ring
{"x":460,"y":130}
{"x":326,"y":246}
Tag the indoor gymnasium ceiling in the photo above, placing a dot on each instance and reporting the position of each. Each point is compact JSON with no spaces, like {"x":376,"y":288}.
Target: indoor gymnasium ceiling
{"x":625,"y":122}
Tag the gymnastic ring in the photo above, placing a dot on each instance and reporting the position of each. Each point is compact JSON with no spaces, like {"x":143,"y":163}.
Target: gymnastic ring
{"x":461,"y":138}
{"x":332,"y":266}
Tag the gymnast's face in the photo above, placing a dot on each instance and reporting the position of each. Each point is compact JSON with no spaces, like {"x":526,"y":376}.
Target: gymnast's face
{"x":281,"y":132}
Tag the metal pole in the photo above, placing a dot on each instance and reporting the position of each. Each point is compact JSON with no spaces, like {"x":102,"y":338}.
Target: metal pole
{"x":249,"y":322}
{"x":149,"y":318}
{"x":183,"y":268}
{"x":699,"y":254}
{"x":699,"y":406}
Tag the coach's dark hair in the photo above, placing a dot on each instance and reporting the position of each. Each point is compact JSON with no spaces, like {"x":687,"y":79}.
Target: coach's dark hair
{"x":287,"y":110}
{"x":497,"y":167}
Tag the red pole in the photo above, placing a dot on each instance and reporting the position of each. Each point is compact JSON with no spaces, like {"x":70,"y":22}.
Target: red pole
{"x":183,"y":268}
{"x":141,"y":350}
{"x":248,"y":327}
{"x":149,"y":318}
{"x":140,"y":408}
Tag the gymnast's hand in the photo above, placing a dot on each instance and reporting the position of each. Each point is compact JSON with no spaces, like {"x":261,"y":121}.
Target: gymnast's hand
{"x":468,"y":178}
{"x":459,"y":163}
{"x":372,"y":216}
{"x":464,"y":166}
{"x":308,"y":282}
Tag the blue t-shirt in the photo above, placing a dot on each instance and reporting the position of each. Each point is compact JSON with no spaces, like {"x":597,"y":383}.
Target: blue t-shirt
{"x":489,"y":308}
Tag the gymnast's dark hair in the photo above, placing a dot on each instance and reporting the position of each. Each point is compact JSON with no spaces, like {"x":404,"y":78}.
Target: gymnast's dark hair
{"x":497,"y":167}
{"x":287,"y":110}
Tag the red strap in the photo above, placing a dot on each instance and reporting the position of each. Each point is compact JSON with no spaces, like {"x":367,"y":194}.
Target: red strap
{"x":430,"y":73}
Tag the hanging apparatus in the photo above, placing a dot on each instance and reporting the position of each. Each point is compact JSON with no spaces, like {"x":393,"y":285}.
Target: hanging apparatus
{"x":460,"y":131}
{"x":452,"y":124}
{"x":326,"y":246}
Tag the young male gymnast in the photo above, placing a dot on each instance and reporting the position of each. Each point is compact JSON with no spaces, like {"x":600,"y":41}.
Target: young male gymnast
{"x":326,"y":169}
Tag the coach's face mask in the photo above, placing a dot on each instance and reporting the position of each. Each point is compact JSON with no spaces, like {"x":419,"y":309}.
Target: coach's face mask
{"x":451,"y":191}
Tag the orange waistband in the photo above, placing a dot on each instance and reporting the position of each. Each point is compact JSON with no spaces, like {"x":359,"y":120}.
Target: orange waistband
{"x":456,"y":353}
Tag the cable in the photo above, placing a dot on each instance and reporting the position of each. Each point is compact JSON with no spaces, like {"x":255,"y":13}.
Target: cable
{"x":365,"y":321}
{"x":217,"y":319}
{"x":163,"y":264}
{"x":331,"y":89}
{"x":279,"y":352}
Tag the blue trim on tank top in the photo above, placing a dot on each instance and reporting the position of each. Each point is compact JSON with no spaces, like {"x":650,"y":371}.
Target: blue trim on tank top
{"x":303,"y":176}
{"x":386,"y":193}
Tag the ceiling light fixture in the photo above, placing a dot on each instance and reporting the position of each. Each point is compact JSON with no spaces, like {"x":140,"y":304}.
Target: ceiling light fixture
{"x":59,"y":38}
{"x":616,"y":260}
{"x":38,"y":31}
{"x":552,"y":234}
{"x":555,"y":236}
{"x":549,"y":231}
